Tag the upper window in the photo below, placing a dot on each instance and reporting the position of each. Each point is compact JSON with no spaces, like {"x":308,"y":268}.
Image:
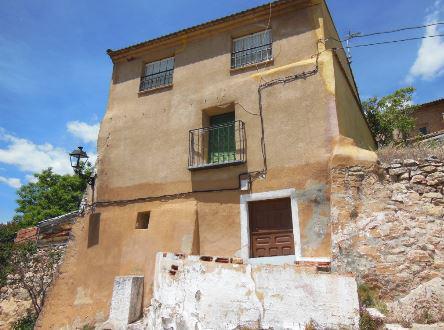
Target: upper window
{"x":157,"y":74}
{"x":251,"y":49}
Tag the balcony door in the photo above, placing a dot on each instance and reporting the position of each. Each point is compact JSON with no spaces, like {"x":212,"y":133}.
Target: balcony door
{"x":271,"y":228}
{"x":221,"y":140}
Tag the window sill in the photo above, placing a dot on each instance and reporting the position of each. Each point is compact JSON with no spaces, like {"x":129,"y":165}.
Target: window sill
{"x":216,"y":165}
{"x":255,"y":65}
{"x":154,"y":90}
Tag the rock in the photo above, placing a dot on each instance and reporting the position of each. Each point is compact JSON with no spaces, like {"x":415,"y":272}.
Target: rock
{"x":421,"y":189}
{"x":397,"y":197}
{"x":436,"y":176}
{"x":425,"y":304}
{"x":433,"y":195}
{"x":410,"y":162}
{"x":418,"y":179}
{"x":397,"y":171}
{"x":404,"y":176}
{"x":429,"y":169}
{"x":394,"y":327}
{"x":436,"y":326}
{"x":375,"y":314}
{"x":355,"y":169}
{"x":416,"y":172}
{"x":396,"y":163}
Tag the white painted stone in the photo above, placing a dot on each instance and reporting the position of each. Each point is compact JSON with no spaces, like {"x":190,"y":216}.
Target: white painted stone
{"x":375,"y":314}
{"x":209,"y":295}
{"x":126,"y":303}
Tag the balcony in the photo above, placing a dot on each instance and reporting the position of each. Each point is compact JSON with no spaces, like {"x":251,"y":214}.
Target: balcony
{"x":217,"y":146}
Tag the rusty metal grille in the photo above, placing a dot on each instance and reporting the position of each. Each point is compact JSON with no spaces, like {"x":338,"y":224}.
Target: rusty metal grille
{"x":217,"y":145}
{"x":251,"y":49}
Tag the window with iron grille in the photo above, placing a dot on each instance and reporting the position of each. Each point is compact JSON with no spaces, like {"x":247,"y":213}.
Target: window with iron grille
{"x":251,"y":49}
{"x":157,"y":74}
{"x":222,"y":143}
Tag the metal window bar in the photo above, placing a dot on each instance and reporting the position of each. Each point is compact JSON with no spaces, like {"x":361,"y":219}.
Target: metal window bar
{"x":157,"y":74}
{"x":217,"y":145}
{"x":254,"y":48}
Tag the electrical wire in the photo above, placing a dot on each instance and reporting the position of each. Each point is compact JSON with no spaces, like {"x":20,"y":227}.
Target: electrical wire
{"x":243,"y":108}
{"x":358,"y":35}
{"x":388,"y":42}
{"x":397,"y":30}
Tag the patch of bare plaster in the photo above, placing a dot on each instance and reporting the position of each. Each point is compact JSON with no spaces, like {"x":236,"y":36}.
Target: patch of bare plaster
{"x":187,"y":243}
{"x":317,"y":225}
{"x":83,"y":297}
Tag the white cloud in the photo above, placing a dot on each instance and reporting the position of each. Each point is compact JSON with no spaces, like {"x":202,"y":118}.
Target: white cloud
{"x":429,"y":62}
{"x":86,"y":133}
{"x":31,"y":157}
{"x":31,"y":178}
{"x":12,"y":182}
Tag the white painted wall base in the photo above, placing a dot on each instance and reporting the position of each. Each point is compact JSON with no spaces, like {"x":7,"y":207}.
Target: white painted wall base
{"x":126,"y":303}
{"x":194,"y":294}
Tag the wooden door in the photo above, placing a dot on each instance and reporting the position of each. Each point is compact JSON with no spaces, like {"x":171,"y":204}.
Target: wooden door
{"x":271,"y":228}
{"x":222,"y":144}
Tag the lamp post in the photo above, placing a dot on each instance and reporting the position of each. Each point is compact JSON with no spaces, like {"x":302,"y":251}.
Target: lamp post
{"x":76,"y":157}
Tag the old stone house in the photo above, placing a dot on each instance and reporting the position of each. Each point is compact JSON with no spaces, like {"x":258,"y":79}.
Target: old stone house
{"x":429,"y":117}
{"x":217,"y":141}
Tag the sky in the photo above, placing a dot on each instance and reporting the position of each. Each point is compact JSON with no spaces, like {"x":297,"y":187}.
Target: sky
{"x":55,"y":74}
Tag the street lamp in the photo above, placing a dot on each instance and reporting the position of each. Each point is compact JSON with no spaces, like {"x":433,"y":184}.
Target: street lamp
{"x":76,"y":157}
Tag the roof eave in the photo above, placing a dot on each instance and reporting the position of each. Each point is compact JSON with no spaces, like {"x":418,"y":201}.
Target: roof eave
{"x":240,"y":16}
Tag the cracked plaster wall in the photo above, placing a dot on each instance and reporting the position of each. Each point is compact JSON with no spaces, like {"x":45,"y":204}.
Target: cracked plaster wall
{"x":208,"y":295}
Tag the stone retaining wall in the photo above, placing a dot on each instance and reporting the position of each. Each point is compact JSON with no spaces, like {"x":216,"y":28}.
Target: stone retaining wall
{"x":15,"y":302}
{"x":388,"y":224}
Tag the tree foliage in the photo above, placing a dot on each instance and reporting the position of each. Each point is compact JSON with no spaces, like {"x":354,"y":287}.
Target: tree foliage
{"x":390,"y":117}
{"x":7,"y":235}
{"x":50,"y":196}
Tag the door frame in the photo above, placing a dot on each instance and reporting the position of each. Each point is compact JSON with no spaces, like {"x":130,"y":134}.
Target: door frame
{"x":245,"y":230}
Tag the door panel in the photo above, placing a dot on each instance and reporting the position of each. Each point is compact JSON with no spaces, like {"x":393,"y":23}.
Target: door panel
{"x":271,"y":228}
{"x":221,"y":144}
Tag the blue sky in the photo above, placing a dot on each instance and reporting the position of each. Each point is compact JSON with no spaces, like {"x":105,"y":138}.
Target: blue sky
{"x":54,"y":72}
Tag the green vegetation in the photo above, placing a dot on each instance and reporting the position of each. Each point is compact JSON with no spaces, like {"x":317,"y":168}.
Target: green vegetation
{"x":25,"y":323}
{"x":390,"y":117}
{"x":367,"y":323}
{"x":50,"y":196}
{"x":7,"y":234}
{"x":369,"y":297}
{"x":25,"y":259}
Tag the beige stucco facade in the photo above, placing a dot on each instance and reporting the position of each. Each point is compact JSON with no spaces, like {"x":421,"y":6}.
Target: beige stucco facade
{"x":143,"y":152}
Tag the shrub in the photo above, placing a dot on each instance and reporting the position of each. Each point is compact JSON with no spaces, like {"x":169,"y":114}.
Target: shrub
{"x":25,"y":323}
{"x":369,"y":297}
{"x":7,"y":235}
{"x":417,"y":151}
{"x":366,"y":322}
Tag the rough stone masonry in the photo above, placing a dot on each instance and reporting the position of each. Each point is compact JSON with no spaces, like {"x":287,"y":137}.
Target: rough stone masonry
{"x":388,"y":227}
